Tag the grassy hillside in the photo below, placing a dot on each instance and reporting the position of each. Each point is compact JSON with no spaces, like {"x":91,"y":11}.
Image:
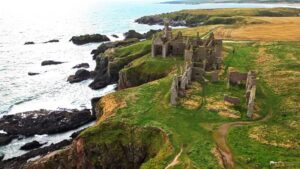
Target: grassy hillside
{"x":191,"y":124}
{"x":138,"y":127}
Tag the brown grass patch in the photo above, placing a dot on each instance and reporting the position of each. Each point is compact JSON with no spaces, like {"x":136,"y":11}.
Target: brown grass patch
{"x":192,"y":101}
{"x":275,"y":136}
{"x":224,"y":109}
{"x":109,"y":105}
{"x":277,"y":29}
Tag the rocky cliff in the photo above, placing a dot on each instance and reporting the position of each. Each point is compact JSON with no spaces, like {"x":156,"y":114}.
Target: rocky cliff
{"x":109,"y":64}
{"x":110,"y":144}
{"x":146,"y":69}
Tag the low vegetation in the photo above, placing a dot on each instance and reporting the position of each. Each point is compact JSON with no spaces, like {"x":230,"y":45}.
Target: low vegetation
{"x":140,"y":123}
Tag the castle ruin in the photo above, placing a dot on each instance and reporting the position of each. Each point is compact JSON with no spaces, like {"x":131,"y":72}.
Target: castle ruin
{"x":203,"y":57}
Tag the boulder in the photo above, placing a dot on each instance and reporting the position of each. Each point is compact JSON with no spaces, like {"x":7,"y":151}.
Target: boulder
{"x":81,"y":65}
{"x":29,"y":43}
{"x":133,"y":34}
{"x":32,"y":73}
{"x":1,"y":156}
{"x":31,"y":145}
{"x":84,"y":39}
{"x":52,"y":41}
{"x":115,"y":36}
{"x":50,"y":62}
{"x":79,"y":76}
{"x":5,"y":139}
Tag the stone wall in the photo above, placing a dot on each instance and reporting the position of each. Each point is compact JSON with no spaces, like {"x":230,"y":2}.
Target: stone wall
{"x":235,"y":77}
{"x":180,"y":84}
{"x":250,"y":92}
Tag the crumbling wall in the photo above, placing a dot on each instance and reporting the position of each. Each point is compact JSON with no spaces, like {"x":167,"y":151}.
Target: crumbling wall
{"x":250,"y":92}
{"x":235,"y":77}
{"x":180,"y":84}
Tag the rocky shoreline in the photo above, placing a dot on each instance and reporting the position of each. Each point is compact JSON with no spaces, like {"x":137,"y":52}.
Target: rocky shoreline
{"x":20,"y":162}
{"x":27,"y":124}
{"x":30,"y":123}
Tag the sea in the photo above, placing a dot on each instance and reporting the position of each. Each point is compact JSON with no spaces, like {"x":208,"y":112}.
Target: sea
{"x":40,"y":21}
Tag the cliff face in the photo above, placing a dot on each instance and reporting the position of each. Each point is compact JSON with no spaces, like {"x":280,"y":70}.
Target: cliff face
{"x":146,"y":69}
{"x":109,"y":64}
{"x":110,"y":145}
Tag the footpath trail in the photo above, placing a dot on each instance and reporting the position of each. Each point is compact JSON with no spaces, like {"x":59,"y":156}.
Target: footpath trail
{"x":220,"y":136}
{"x":175,"y":160}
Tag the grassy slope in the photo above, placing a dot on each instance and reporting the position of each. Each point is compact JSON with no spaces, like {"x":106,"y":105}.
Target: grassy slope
{"x":190,"y":124}
{"x":277,"y":139}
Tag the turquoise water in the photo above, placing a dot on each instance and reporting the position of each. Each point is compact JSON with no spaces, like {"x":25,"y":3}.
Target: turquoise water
{"x":43,"y":20}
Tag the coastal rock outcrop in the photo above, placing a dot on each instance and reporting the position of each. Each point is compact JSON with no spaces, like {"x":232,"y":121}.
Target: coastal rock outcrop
{"x":115,"y":36}
{"x":151,"y":20}
{"x":42,"y":122}
{"x":81,"y":65}
{"x":109,"y":64}
{"x":20,"y":162}
{"x":50,"y":62}
{"x":29,"y":43}
{"x":104,"y":46}
{"x":79,"y":76}
{"x":150,"y":33}
{"x":84,"y":39}
{"x":52,"y":41}
{"x":31,"y":145}
{"x":5,"y":139}
{"x":1,"y":156}
{"x":133,"y":34}
{"x":102,"y":77}
{"x":32,"y":73}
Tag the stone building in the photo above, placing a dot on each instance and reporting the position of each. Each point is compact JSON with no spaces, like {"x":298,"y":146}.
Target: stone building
{"x":202,"y":57}
{"x":166,"y":45}
{"x":202,"y":54}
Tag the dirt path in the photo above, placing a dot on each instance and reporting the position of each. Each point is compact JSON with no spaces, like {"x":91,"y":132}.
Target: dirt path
{"x":175,"y":160}
{"x":220,"y":136}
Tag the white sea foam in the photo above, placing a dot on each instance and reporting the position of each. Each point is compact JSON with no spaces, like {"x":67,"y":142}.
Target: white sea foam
{"x":3,"y":132}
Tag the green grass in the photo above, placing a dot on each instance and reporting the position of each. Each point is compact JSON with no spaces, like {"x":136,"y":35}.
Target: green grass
{"x":148,"y":68}
{"x":250,"y":153}
{"x":135,"y":49}
{"x":151,"y":108}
